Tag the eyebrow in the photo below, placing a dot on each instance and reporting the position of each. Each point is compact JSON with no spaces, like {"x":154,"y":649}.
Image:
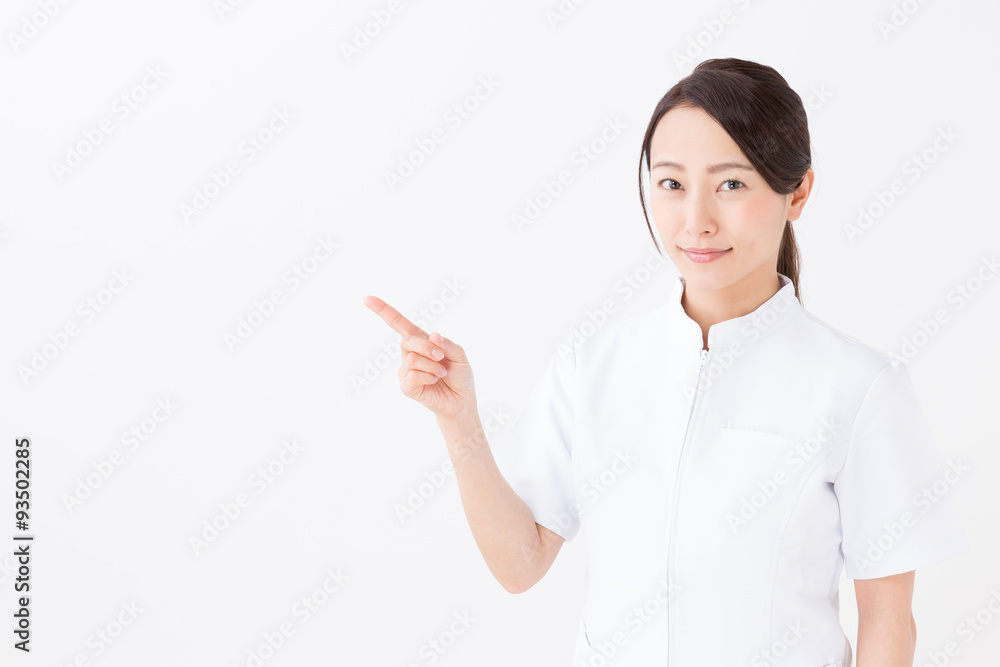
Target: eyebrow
{"x":713,"y":169}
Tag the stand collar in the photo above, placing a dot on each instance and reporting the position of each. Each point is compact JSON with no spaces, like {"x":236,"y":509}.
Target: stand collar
{"x":768,"y":318}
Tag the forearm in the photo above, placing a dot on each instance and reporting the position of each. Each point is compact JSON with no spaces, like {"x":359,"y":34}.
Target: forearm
{"x":501,"y":523}
{"x":886,"y":640}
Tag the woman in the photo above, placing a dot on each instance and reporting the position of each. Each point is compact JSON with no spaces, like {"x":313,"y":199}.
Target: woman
{"x":729,"y":453}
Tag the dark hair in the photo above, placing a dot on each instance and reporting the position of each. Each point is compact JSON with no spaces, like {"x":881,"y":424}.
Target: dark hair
{"x":764,"y":116}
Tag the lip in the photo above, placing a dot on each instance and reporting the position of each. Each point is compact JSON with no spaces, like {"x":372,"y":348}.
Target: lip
{"x":702,"y":255}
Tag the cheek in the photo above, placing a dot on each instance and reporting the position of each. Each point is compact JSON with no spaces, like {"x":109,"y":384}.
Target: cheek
{"x":660,"y":220}
{"x":665,"y":217}
{"x":759,"y":219}
{"x":757,"y":213}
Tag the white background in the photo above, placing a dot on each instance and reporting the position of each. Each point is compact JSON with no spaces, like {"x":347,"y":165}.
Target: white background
{"x":321,"y":370}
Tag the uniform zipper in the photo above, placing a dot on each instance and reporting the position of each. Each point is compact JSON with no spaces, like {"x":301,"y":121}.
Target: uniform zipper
{"x":673,"y":517}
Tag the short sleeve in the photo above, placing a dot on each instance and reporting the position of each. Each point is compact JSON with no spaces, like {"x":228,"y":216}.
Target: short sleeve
{"x":897,"y":500}
{"x":535,"y":457}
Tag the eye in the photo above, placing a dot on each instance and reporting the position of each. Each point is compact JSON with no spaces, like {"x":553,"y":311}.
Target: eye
{"x":668,"y":180}
{"x":733,"y":180}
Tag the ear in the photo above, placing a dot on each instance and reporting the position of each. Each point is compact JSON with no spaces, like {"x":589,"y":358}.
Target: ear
{"x":801,"y":194}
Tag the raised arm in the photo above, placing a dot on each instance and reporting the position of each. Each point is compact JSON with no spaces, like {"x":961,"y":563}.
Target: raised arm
{"x":436,"y":373}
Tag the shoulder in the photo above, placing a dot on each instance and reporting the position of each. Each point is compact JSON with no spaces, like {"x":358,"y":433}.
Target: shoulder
{"x":838,"y":350}
{"x":636,"y":329}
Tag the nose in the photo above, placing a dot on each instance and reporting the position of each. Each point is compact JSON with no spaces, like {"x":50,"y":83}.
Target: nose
{"x":699,"y":214}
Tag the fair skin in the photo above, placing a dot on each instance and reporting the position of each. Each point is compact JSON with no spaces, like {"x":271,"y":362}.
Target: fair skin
{"x":700,"y":209}
{"x":697,"y":204}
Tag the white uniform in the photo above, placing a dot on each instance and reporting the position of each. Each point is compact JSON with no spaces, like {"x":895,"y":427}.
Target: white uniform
{"x":724,"y":490}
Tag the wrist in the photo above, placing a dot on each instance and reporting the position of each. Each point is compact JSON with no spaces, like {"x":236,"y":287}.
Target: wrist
{"x":463,"y":434}
{"x":465,"y":418}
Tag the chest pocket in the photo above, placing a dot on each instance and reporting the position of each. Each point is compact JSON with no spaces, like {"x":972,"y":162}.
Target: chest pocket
{"x":744,"y":481}
{"x":757,"y":454}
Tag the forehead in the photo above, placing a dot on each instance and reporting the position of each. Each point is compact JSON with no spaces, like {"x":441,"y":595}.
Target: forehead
{"x":690,"y":136}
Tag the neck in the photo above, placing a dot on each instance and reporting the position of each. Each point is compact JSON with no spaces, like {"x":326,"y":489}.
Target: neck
{"x":708,"y":307}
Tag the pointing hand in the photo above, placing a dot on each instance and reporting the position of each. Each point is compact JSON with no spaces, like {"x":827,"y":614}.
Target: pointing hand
{"x":434,"y":371}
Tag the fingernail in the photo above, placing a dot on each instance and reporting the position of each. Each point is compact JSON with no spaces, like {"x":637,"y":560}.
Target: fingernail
{"x":437,"y":354}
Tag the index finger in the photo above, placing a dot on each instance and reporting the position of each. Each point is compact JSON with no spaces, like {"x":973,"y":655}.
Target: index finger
{"x":393,"y":317}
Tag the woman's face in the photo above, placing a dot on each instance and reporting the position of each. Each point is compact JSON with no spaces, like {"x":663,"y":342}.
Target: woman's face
{"x":705,"y":195}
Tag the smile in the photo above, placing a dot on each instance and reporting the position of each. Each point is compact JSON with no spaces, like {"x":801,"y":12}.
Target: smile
{"x":707,"y":255}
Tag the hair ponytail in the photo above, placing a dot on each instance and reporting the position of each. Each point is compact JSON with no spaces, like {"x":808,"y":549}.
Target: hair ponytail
{"x":788,"y":257}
